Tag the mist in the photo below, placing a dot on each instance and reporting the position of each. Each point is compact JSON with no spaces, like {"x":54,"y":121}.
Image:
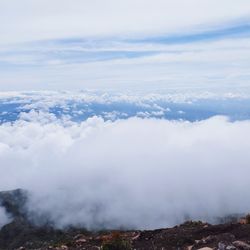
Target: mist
{"x":4,"y":217}
{"x":134,"y":173}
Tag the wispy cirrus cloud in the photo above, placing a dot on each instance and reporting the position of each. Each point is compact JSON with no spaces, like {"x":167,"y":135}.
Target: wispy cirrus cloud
{"x":118,"y":44}
{"x":222,"y":64}
{"x":42,"y":19}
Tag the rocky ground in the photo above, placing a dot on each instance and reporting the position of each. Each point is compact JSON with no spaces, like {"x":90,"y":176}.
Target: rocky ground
{"x":21,"y":234}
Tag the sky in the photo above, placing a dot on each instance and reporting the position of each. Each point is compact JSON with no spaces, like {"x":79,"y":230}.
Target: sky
{"x":125,"y":45}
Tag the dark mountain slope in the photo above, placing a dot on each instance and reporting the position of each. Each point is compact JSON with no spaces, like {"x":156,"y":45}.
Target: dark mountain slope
{"x":23,"y":234}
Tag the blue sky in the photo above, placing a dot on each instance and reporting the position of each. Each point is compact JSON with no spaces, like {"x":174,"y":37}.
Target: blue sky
{"x":125,"y":45}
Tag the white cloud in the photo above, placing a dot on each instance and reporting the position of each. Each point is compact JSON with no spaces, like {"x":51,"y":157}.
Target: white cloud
{"x":138,"y":172}
{"x":43,"y":19}
{"x":221,"y":65}
{"x":108,"y":26}
{"x":4,"y":217}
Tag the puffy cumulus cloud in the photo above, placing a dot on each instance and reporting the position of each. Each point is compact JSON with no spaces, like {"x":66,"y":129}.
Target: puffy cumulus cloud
{"x":43,"y":19}
{"x":142,"y":173}
{"x":4,"y":217}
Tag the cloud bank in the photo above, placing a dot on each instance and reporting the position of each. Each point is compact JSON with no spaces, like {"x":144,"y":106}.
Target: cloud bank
{"x":140,"y":173}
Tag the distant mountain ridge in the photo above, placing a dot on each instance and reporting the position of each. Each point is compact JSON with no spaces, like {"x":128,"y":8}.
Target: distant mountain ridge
{"x":14,"y":202}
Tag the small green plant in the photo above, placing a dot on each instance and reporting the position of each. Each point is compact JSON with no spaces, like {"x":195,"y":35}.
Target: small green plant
{"x":116,"y":243}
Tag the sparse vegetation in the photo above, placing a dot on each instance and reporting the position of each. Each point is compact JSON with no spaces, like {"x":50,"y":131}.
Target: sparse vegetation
{"x":191,"y":223}
{"x":248,"y":219}
{"x":116,"y":242}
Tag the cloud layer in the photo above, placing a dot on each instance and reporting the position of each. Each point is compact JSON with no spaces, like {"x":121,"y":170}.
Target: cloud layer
{"x":207,"y":64}
{"x":124,"y":44}
{"x":42,"y":19}
{"x":73,"y":106}
{"x":140,"y":173}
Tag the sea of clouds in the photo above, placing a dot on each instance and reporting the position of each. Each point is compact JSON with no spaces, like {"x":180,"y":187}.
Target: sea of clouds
{"x":79,"y":106}
{"x":135,"y":172}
